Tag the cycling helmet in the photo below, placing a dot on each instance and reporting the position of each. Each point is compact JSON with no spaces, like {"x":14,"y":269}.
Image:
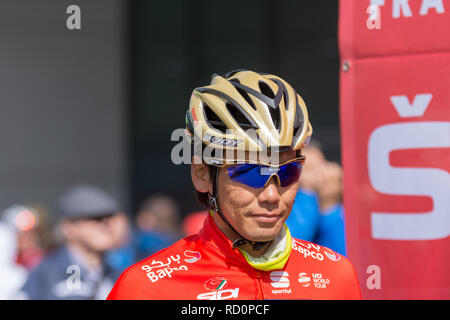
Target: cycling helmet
{"x":246,"y":110}
{"x":249,"y":111}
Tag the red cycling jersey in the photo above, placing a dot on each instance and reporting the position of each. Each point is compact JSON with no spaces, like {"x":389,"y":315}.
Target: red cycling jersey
{"x":205,"y":266}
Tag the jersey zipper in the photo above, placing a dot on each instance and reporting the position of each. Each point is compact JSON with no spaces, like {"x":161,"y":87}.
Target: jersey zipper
{"x":261,"y":293}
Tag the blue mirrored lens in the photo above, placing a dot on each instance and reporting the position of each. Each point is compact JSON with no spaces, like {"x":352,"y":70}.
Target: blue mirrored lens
{"x":248,"y":174}
{"x":256,"y":176}
{"x":289,"y":173}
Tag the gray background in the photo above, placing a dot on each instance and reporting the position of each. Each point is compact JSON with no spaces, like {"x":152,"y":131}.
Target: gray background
{"x":63,"y":100}
{"x":99,"y":104}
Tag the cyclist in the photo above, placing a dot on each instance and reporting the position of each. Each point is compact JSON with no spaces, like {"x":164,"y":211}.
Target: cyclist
{"x":252,"y":127}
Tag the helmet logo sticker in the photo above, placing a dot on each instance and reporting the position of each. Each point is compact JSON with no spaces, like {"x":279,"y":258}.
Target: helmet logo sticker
{"x":221,"y":141}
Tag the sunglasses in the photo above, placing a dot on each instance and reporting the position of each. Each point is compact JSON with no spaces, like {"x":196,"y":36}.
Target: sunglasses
{"x":258,"y":176}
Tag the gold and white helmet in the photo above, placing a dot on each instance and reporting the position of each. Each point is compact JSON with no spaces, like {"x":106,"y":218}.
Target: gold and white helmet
{"x":246,"y":110}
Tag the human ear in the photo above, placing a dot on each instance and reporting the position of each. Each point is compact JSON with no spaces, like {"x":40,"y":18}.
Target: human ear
{"x":200,"y":177}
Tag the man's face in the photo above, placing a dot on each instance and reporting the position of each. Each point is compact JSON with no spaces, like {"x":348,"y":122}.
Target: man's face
{"x":257,"y":214}
{"x":98,"y":235}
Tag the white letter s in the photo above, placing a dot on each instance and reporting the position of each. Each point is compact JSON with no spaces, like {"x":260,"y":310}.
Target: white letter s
{"x":431,"y":182}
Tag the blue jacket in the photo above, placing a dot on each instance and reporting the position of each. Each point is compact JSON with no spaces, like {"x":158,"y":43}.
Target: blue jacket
{"x":307,"y":222}
{"x":61,"y":277}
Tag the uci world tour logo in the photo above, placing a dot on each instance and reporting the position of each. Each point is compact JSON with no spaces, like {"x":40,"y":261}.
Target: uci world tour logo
{"x":304,"y":279}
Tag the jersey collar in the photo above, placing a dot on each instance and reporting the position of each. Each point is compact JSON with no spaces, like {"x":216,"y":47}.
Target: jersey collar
{"x":274,"y":259}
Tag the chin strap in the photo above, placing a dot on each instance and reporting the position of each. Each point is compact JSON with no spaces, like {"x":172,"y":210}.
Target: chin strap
{"x":257,"y":245}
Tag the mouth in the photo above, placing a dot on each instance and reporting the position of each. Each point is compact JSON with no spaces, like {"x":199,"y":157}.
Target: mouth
{"x":266,"y":217}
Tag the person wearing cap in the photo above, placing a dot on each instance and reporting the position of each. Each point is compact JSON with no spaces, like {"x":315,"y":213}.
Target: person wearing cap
{"x":90,"y":222}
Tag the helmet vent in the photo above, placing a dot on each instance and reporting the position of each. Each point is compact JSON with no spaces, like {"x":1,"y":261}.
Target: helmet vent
{"x":285,"y":93}
{"x":238,"y":115}
{"x":286,"y":102}
{"x":244,"y":94}
{"x":276,"y":119}
{"x":266,"y":90}
{"x":213,"y":120}
{"x":298,"y":121}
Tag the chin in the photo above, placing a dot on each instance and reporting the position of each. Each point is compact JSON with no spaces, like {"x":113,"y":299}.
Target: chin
{"x":102,"y":247}
{"x":264,"y":235}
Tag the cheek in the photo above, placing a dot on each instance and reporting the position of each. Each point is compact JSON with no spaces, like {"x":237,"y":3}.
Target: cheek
{"x":88,"y":232}
{"x":102,"y":241}
{"x":236,"y":197}
{"x":288,"y":196}
{"x":92,"y":233}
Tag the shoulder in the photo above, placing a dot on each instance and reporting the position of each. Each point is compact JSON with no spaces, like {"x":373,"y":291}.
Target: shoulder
{"x":149,"y":276}
{"x":313,"y":258}
{"x":51,"y":270}
{"x":319,"y":255}
{"x":53,"y":263}
{"x":315,"y":252}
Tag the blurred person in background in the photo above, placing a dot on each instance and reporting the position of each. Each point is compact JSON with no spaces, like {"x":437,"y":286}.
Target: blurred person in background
{"x":35,"y":237}
{"x":193,"y":222}
{"x":157,"y":225}
{"x":90,"y":224}
{"x":12,"y":275}
{"x":125,"y":252}
{"x":318,"y":214}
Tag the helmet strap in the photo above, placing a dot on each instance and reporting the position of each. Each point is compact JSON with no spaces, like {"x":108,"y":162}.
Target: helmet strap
{"x":213,"y":202}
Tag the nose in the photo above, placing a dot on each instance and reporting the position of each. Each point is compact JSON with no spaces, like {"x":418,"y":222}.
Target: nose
{"x":270,"y":192}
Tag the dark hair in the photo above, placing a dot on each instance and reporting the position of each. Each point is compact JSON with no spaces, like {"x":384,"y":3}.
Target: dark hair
{"x":202,"y":198}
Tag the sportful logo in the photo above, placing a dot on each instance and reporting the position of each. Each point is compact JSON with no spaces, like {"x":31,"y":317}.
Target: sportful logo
{"x":280,"y":279}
